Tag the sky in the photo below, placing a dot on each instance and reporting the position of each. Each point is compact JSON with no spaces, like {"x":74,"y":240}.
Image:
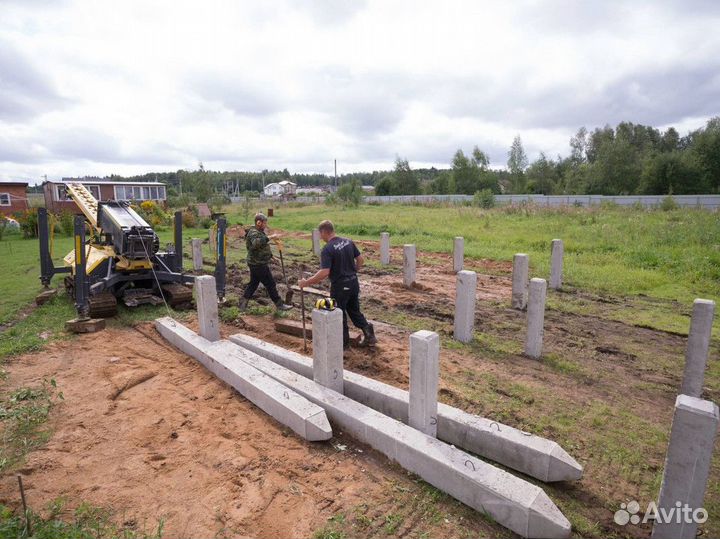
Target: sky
{"x":128,"y":87}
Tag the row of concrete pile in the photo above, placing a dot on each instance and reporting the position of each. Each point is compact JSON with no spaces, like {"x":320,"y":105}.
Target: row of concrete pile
{"x":409,"y":427}
{"x":526,"y":293}
{"x":695,"y":420}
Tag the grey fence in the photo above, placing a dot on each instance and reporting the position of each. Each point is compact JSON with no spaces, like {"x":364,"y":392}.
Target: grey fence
{"x":711,"y":202}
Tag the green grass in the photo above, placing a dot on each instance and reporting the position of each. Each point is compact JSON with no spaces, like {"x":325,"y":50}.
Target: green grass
{"x":20,"y":268}
{"x":23,"y":415}
{"x":85,"y":522}
{"x":672,"y":255}
{"x":46,"y":321}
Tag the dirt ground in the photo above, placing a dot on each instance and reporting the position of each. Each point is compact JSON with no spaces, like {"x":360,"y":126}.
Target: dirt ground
{"x":147,"y":431}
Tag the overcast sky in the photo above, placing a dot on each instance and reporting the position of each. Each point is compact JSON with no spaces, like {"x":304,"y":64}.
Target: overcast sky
{"x":95,"y":87}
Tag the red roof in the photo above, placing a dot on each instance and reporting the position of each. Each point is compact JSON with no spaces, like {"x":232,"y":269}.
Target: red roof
{"x":13,"y":183}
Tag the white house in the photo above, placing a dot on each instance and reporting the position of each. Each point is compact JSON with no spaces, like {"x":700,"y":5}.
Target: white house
{"x":283,"y":188}
{"x":273,"y":190}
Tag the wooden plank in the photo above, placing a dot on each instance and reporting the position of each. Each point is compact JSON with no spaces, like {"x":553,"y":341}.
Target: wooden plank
{"x":294,"y":328}
{"x":312,"y":291}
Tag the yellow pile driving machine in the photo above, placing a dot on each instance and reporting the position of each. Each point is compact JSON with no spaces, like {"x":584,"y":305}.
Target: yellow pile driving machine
{"x":120,"y":258}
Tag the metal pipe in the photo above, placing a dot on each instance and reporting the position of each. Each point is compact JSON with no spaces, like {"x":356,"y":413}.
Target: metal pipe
{"x":178,"y":242}
{"x":221,"y":254}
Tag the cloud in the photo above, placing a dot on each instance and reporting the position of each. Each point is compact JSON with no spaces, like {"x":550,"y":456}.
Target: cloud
{"x":284,"y":84}
{"x":243,"y":96}
{"x":24,"y":91}
{"x":363,"y":104}
{"x":330,"y":11}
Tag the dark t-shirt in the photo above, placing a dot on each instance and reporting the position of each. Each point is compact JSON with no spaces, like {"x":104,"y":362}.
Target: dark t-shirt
{"x":339,"y":256}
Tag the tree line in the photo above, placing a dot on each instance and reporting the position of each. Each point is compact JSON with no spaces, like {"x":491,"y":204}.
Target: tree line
{"x":627,"y":159}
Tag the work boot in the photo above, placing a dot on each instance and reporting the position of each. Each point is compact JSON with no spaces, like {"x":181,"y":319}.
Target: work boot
{"x":369,"y":336}
{"x":242,"y":304}
{"x":283,"y":306}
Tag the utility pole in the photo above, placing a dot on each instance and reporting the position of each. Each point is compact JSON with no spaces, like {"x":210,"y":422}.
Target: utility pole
{"x":336,"y":181}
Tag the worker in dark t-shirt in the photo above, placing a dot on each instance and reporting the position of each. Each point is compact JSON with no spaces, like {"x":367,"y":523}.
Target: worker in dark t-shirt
{"x":340,"y":260}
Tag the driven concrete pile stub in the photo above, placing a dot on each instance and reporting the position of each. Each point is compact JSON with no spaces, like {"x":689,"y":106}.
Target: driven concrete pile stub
{"x":424,"y":375}
{"x":687,"y":465}
{"x":465,"y":289}
{"x":385,"y":248}
{"x":556,"y":264}
{"x":207,"y":307}
{"x":698,"y":345}
{"x":535,"y":317}
{"x":327,"y":339}
{"x":458,"y":253}
{"x":409,"y":254}
{"x":521,"y":269}
{"x":316,"y":242}
{"x":197,"y":256}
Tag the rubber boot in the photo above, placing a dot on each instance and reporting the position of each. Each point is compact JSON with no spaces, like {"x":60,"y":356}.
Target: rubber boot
{"x":242,"y":304}
{"x":283,"y":306}
{"x":369,"y":336}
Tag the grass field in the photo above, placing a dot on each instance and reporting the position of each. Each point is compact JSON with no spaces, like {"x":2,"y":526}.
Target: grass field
{"x":673,"y":255}
{"x":637,"y":255}
{"x":641,"y":268}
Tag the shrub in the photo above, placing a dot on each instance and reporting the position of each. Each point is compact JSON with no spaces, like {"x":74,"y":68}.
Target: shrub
{"x":669,"y":204}
{"x":189,"y":218}
{"x":152,"y":213}
{"x":484,"y":199}
{"x":179,"y":201}
{"x":3,"y":225}
{"x":28,"y":220}
{"x":247,"y":206}
{"x":216,"y":202}
{"x":148,"y":206}
{"x":206,"y":222}
{"x":229,"y":314}
{"x":66,"y":220}
{"x":350,"y":193}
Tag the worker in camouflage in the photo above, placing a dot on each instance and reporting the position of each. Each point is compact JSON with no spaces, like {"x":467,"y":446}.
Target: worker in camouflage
{"x":258,"y":258}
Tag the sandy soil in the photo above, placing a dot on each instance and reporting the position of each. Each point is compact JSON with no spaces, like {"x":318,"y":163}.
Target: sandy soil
{"x":147,"y":430}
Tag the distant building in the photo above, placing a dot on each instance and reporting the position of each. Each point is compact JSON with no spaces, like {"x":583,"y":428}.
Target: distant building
{"x":57,"y":199}
{"x":273,"y":190}
{"x":308,"y":191}
{"x":203,"y":210}
{"x":283,"y":189}
{"x":13,"y":197}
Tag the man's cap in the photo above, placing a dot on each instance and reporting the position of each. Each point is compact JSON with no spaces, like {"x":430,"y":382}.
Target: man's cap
{"x":260,"y":217}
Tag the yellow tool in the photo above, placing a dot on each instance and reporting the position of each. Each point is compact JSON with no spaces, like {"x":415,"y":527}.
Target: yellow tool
{"x":326,"y":304}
